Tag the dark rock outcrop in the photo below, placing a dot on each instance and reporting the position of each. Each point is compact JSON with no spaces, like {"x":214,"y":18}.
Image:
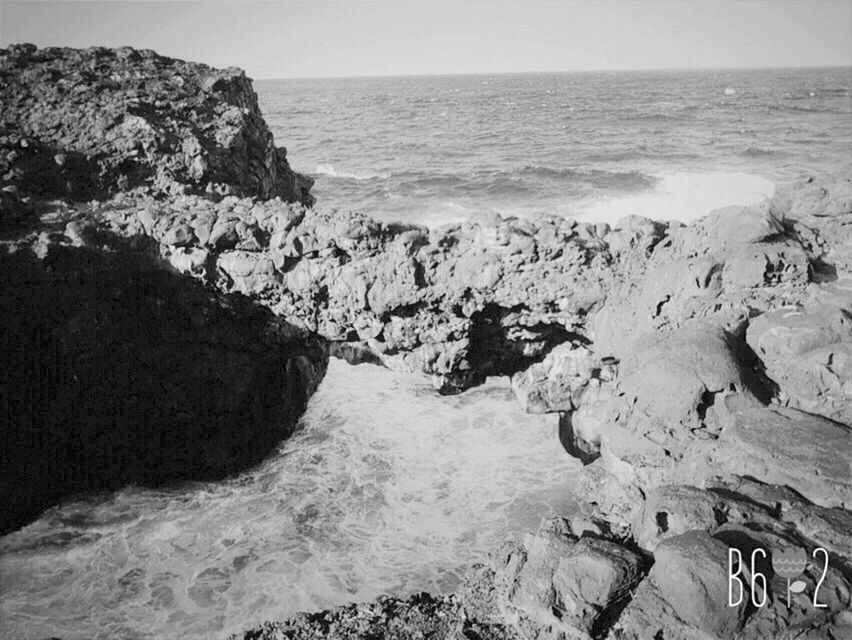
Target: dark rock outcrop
{"x":119,"y":371}
{"x":702,"y":372}
{"x":93,"y":122}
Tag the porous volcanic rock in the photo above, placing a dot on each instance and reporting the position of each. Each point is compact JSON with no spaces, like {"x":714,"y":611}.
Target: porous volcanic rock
{"x":700,"y":371}
{"x":84,"y":123}
{"x":459,"y":303}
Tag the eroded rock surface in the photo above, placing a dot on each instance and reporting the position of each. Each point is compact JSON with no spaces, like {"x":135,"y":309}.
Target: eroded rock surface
{"x":459,"y":303}
{"x":705,"y":390}
{"x":702,"y":372}
{"x":84,"y":123}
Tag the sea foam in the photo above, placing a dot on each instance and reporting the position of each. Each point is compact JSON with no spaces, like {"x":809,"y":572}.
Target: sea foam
{"x":387,"y":488}
{"x":681,"y":196}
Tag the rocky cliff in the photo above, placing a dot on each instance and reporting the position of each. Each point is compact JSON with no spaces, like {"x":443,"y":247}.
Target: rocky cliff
{"x":116,"y":368}
{"x":701,"y":372}
{"x":94,"y":122}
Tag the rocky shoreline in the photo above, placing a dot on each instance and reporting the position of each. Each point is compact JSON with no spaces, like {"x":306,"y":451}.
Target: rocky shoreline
{"x":703,"y":373}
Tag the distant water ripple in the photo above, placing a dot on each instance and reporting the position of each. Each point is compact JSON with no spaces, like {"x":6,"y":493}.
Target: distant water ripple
{"x":439,"y":148}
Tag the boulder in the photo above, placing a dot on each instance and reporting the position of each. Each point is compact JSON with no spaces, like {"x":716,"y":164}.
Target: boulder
{"x":687,"y":378}
{"x":808,"y":353}
{"x":559,"y":382}
{"x":568,"y":585}
{"x":807,"y":453}
{"x":717,"y":269}
{"x":685,"y":595}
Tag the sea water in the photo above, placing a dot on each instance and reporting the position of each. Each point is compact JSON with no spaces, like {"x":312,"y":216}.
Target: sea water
{"x":597,"y":145}
{"x":388,"y":487}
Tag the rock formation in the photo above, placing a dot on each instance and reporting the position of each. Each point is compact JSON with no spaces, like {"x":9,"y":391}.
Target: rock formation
{"x":116,"y":368}
{"x":701,"y":372}
{"x":89,"y":123}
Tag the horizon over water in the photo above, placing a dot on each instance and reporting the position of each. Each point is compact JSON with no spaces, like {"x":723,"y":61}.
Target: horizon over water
{"x":457,"y":74}
{"x":598,"y":145}
{"x":381,"y":489}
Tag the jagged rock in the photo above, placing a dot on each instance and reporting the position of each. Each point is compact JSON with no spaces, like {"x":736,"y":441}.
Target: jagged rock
{"x":418,"y":616}
{"x":718,"y":269}
{"x":455,"y":304}
{"x":569,"y":586}
{"x":808,"y":353}
{"x":559,"y":382}
{"x":634,"y":234}
{"x":685,"y":595}
{"x":635,"y":334}
{"x":108,"y":120}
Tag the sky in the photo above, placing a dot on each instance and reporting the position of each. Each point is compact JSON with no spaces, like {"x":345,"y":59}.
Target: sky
{"x":329,"y":38}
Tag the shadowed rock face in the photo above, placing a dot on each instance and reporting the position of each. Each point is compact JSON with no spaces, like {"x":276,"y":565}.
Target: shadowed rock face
{"x":487,"y":297}
{"x":117,"y":370}
{"x":86,"y":123}
{"x":171,"y":333}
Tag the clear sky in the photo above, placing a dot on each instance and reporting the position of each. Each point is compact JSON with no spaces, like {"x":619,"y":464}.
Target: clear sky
{"x":309,"y":38}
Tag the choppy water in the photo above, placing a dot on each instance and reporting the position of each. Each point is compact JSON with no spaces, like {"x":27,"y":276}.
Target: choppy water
{"x":671,"y":144}
{"x":388,"y":488}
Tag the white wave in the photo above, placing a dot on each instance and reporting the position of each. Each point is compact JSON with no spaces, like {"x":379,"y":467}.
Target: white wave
{"x":387,"y":488}
{"x":329,"y":170}
{"x":448,"y":212}
{"x":681,"y":196}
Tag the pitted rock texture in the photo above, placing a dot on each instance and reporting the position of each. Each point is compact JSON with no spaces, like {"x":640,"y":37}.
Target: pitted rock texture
{"x":84,"y":123}
{"x":459,"y":303}
{"x":704,"y":388}
{"x":700,"y":371}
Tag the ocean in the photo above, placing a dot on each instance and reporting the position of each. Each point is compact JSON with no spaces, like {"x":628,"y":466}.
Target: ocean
{"x":596,"y":145}
{"x":388,"y":487}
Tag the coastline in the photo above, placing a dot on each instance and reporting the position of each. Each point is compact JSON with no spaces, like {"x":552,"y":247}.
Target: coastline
{"x":687,"y":363}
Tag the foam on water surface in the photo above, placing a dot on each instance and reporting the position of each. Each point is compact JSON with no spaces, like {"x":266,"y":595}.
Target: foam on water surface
{"x":681,"y":196}
{"x":387,"y":488}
